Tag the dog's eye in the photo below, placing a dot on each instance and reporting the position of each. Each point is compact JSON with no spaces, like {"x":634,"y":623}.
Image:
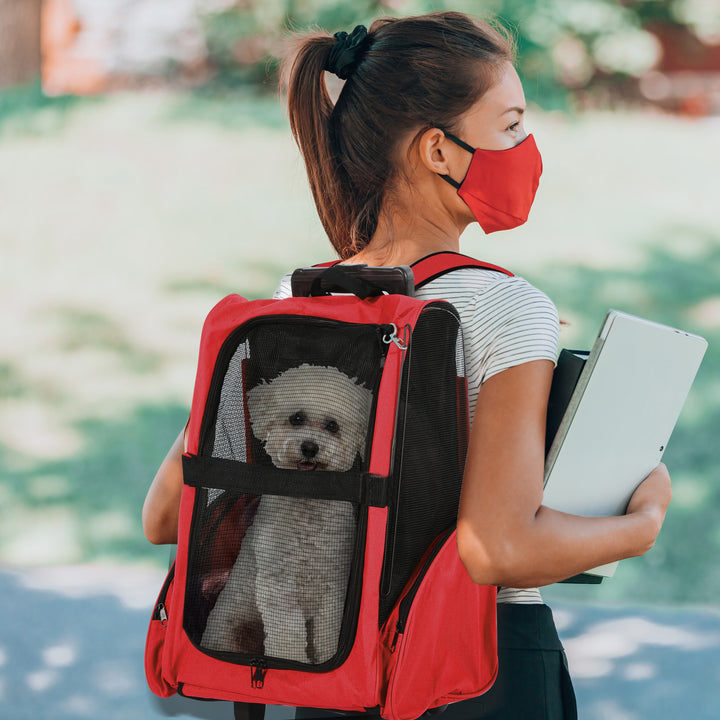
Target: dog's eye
{"x":332,"y":427}
{"x":297,"y":419}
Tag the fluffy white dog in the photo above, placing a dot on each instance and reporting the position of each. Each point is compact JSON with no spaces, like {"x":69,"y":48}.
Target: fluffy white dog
{"x":290,"y":578}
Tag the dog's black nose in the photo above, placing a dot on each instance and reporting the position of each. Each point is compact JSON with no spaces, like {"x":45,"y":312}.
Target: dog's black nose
{"x":309,"y":449}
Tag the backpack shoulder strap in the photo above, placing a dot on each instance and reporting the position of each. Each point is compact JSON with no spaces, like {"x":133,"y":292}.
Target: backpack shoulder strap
{"x":433,"y":266}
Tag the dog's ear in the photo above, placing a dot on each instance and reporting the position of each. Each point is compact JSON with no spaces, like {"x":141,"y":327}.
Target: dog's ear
{"x":259,"y":402}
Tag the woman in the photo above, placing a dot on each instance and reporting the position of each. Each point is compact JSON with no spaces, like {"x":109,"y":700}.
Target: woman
{"x":426,"y":137}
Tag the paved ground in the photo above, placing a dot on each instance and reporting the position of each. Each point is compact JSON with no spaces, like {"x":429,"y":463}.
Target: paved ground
{"x":71,"y":646}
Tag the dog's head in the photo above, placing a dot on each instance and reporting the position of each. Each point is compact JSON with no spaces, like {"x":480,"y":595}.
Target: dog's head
{"x":311,"y":418}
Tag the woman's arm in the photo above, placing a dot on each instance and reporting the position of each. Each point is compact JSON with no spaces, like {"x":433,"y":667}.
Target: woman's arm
{"x":162,"y":503}
{"x":505,"y":535}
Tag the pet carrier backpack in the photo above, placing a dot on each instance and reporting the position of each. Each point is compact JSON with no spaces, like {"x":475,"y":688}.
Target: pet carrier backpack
{"x":317,"y":563}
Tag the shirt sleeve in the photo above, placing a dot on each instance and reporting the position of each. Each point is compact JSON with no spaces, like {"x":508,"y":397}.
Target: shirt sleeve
{"x":284,"y":289}
{"x":512,"y":322}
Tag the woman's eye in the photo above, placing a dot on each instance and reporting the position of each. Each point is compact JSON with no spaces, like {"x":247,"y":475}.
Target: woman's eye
{"x":514,"y":127}
{"x":297,"y":419}
{"x":332,"y":427}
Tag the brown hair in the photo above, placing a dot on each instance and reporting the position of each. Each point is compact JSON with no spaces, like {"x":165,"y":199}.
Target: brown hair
{"x":416,"y":73}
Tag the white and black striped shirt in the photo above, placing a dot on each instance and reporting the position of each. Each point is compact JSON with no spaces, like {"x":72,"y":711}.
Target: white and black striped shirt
{"x":506,"y":321}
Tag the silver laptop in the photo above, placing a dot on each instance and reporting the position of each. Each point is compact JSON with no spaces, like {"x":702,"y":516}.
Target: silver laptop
{"x":620,"y":416}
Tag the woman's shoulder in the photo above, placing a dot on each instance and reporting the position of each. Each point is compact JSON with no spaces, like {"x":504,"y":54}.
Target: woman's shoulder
{"x":469,"y":287}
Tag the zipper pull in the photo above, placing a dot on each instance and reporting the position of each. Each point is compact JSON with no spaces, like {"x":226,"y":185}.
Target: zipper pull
{"x":399,"y":630}
{"x":162,"y":614}
{"x":392,"y":337}
{"x":257,"y":674}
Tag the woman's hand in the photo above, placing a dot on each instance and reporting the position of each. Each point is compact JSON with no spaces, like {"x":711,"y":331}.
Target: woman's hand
{"x":651,"y":498}
{"x":506,"y":536}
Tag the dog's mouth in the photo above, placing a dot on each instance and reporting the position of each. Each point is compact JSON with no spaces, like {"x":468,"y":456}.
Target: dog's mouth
{"x":307,"y":465}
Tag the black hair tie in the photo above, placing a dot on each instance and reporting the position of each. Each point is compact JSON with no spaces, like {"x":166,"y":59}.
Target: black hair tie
{"x":347,"y":52}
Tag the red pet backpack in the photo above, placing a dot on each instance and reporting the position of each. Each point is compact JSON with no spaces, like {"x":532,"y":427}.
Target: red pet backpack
{"x":317,"y":563}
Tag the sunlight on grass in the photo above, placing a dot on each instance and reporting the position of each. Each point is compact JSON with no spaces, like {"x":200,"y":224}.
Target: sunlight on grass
{"x":126,"y":221}
{"x":34,"y":535}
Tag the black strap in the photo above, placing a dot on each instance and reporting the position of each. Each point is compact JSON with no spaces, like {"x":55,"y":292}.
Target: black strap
{"x":255,"y":479}
{"x":248,"y":711}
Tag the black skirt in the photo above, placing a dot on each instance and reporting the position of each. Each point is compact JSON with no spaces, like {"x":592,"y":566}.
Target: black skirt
{"x":533,"y":682}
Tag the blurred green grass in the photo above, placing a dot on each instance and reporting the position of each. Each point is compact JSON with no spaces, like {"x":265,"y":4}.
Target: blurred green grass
{"x":126,"y":218}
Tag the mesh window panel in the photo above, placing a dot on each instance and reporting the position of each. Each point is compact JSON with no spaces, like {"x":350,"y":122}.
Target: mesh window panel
{"x":269,"y":574}
{"x":430,"y":452}
{"x":285,"y":593}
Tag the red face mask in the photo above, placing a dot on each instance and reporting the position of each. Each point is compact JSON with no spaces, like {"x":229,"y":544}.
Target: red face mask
{"x":500,"y":185}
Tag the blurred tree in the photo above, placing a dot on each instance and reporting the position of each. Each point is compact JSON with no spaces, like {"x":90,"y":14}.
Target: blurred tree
{"x":588,"y":50}
{"x":245,"y":37}
{"x":20,"y":57}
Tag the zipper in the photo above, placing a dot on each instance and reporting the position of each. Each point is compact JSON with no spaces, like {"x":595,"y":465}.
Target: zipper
{"x":386,"y":576}
{"x":160,"y":612}
{"x":258,"y":669}
{"x":396,"y":474}
{"x":407,"y":601}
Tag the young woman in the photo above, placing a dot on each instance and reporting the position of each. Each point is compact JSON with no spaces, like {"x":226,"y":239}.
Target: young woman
{"x":426,"y":137}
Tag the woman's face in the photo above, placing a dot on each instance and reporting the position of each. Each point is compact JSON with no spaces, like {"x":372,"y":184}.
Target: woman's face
{"x":495,"y":122}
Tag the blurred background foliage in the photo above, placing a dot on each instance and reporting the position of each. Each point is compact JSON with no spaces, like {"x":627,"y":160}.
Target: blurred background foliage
{"x":572,"y":54}
{"x":570,"y":51}
{"x":133,"y":201}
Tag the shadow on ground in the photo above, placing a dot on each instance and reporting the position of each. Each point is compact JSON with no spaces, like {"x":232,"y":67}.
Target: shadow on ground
{"x":72,"y":640}
{"x":87,"y":506}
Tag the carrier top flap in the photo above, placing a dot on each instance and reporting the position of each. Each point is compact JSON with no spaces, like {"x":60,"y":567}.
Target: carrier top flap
{"x":235,"y":311}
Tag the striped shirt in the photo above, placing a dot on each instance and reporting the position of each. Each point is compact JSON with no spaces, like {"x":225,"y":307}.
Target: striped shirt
{"x":505,"y":322}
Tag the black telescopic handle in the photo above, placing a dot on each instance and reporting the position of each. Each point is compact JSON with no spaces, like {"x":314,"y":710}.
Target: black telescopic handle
{"x":337,"y":279}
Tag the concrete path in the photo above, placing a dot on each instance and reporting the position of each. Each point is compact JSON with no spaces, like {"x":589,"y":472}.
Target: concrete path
{"x":72,"y":638}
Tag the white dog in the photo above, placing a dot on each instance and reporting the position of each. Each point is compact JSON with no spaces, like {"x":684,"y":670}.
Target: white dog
{"x":290,"y":577}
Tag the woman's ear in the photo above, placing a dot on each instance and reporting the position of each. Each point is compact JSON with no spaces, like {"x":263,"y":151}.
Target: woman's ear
{"x":442,"y":156}
{"x":435,"y":151}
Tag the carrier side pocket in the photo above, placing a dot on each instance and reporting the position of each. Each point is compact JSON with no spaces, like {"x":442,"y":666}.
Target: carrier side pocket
{"x":155,"y":641}
{"x":440,"y":641}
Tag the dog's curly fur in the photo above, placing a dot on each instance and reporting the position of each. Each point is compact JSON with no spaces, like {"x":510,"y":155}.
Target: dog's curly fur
{"x":286,"y":592}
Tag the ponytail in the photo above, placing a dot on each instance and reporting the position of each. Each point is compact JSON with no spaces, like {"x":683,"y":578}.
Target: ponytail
{"x":310,"y":109}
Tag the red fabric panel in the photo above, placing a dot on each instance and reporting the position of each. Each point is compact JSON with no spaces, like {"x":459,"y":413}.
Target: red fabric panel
{"x":458,"y":659}
{"x":155,"y":646}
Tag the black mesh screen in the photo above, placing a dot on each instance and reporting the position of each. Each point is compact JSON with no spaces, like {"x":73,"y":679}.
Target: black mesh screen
{"x":264,"y":351}
{"x":269,"y":574}
{"x":283,"y":593}
{"x":430,"y":450}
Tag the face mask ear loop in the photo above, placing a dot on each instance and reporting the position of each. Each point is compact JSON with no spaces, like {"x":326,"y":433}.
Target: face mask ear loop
{"x":459,"y":142}
{"x":454,"y":183}
{"x":464,"y":146}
